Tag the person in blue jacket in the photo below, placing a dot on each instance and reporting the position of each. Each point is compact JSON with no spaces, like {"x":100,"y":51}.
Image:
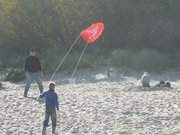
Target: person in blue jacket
{"x":51,"y":101}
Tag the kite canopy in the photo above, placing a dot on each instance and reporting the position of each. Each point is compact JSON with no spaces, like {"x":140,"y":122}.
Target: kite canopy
{"x":93,"y":32}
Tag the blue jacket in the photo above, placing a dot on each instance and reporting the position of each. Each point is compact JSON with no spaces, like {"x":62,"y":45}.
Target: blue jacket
{"x":51,"y":99}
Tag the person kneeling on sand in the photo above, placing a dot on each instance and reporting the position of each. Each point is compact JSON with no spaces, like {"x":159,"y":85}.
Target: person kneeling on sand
{"x":145,"y":79}
{"x":52,"y":104}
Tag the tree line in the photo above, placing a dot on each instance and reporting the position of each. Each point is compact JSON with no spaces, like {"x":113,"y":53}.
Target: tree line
{"x":138,"y":33}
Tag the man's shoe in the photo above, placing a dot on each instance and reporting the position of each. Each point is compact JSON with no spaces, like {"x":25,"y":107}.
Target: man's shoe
{"x":25,"y":93}
{"x":53,"y":131}
{"x":44,"y":131}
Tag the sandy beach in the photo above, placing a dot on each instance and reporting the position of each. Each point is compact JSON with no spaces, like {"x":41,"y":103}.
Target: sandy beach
{"x":98,"y":107}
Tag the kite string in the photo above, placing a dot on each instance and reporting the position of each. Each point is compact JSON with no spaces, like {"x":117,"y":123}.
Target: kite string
{"x":64,"y":58}
{"x":79,"y":60}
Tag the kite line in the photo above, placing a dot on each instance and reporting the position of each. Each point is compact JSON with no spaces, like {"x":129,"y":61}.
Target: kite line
{"x":79,"y":60}
{"x":90,"y":35}
{"x":64,"y":58}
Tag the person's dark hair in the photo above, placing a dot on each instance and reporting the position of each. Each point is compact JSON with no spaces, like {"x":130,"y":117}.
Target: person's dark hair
{"x":162,"y":82}
{"x":32,"y":50}
{"x":168,"y":84}
{"x":52,"y":85}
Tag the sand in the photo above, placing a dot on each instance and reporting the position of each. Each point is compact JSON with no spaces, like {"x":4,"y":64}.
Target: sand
{"x":98,"y":106}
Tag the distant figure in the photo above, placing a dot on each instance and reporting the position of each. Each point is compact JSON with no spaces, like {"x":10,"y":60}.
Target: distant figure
{"x":33,"y":72}
{"x":168,"y":85}
{"x":51,"y":99}
{"x":164,"y":84}
{"x":145,"y":79}
{"x":160,"y":84}
{"x":109,"y":72}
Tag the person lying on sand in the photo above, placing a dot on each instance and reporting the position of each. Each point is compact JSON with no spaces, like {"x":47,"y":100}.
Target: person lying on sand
{"x":145,"y":79}
{"x":52,"y":104}
{"x":163,"y":84}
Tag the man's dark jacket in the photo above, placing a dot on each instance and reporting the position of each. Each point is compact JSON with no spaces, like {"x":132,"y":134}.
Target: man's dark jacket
{"x":32,"y":64}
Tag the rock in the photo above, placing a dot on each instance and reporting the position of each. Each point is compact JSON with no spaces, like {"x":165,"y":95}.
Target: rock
{"x":1,"y":85}
{"x":15,"y":75}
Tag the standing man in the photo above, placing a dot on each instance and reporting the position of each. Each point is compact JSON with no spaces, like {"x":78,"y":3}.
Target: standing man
{"x":33,"y":71}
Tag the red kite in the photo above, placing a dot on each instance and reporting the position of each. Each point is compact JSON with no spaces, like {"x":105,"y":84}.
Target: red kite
{"x":93,"y":32}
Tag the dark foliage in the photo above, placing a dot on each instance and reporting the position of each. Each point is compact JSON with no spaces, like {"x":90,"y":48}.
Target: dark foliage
{"x":136,"y":31}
